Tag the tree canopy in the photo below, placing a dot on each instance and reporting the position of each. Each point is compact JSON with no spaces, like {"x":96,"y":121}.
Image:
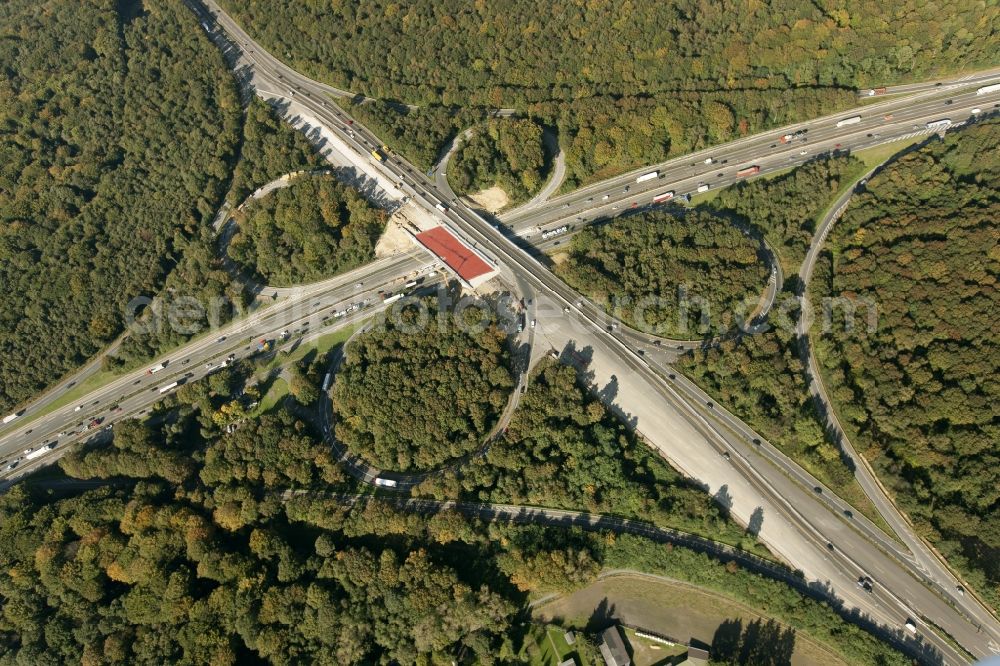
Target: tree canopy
{"x":919,"y":393}
{"x":418,"y":391}
{"x":314,"y":228}
{"x":673,"y":273}
{"x":564,"y":449}
{"x":626,"y":83}
{"x":507,"y":153}
{"x":787,"y":208}
{"x":116,"y":151}
{"x":270,"y":148}
{"x":231,"y":546}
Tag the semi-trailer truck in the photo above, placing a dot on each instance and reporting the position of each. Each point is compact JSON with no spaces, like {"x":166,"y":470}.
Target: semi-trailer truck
{"x":10,"y":417}
{"x":40,"y":451}
{"x":853,"y":120}
{"x":169,"y":387}
{"x":986,"y":90}
{"x":647,"y":176}
{"x":749,"y":171}
{"x":939,"y":124}
{"x":555,"y":232}
{"x":665,"y":196}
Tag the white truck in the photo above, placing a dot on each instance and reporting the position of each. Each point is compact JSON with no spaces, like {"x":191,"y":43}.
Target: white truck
{"x":555,"y":232}
{"x":10,"y":417}
{"x":853,"y":120}
{"x":156,"y":368}
{"x":647,"y":176}
{"x":169,"y":387}
{"x":40,"y":451}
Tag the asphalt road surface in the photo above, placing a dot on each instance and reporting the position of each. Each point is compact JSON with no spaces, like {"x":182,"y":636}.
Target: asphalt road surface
{"x":820,"y":540}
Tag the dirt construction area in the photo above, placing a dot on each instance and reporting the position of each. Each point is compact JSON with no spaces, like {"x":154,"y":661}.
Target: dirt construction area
{"x":490,"y":200}
{"x":668,"y":608}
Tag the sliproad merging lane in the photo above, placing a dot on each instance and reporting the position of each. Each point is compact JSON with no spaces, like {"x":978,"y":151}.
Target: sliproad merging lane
{"x":312,"y":312}
{"x":426,"y":193}
{"x":522,"y":266}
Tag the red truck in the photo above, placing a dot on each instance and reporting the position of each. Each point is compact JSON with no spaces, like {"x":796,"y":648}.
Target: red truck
{"x":749,"y":171}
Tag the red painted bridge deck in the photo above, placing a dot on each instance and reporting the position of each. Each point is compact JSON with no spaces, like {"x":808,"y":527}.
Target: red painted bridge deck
{"x":459,"y":257}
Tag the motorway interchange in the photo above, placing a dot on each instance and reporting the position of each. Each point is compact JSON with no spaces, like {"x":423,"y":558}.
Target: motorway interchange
{"x":813,"y":532}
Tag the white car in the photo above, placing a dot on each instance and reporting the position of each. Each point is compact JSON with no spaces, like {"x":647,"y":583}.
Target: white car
{"x":708,"y":160}
{"x":703,"y":187}
{"x":78,"y":408}
{"x":605,"y":197}
{"x":532,"y":323}
{"x":976,"y":111}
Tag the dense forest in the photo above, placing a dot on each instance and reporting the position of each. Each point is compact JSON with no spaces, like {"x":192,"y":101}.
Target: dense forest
{"x":564,"y":449}
{"x":419,"y":391}
{"x":760,"y":377}
{"x":420,"y":133}
{"x":314,"y":228}
{"x":640,"y":81}
{"x":115,"y":153}
{"x":505,"y":152}
{"x":270,"y":148}
{"x":787,"y":208}
{"x":681,"y":274}
{"x":919,"y":393}
{"x":208,"y":547}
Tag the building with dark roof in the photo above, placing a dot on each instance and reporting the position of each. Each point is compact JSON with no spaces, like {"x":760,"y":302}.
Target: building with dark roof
{"x":613,"y":648}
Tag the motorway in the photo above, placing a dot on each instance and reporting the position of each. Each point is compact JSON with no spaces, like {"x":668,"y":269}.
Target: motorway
{"x":977,"y":78}
{"x":306,"y":316}
{"x":521,"y":345}
{"x":925,"y":558}
{"x":513,"y":258}
{"x":809,"y":521}
{"x":683,"y":175}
